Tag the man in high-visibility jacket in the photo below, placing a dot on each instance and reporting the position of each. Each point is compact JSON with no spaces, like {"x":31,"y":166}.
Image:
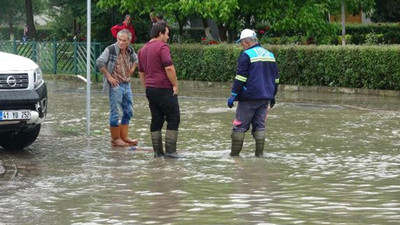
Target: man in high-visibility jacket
{"x":254,"y":87}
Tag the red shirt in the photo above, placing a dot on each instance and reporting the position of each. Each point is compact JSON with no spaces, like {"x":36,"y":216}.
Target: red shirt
{"x":153,"y":58}
{"x":115,"y":29}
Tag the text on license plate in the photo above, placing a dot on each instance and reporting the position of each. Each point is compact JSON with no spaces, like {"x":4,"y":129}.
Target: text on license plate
{"x":15,"y":115}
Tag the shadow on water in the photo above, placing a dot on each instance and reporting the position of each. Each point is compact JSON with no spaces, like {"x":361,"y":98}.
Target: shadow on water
{"x":329,"y":158}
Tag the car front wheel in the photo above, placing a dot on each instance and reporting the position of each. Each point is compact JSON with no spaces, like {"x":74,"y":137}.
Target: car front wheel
{"x":19,"y":140}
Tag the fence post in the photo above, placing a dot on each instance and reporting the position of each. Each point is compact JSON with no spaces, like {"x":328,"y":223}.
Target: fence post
{"x":34,"y":56}
{"x":75,"y":57}
{"x":54,"y":56}
{"x":95,"y":54}
{"x":15,"y":47}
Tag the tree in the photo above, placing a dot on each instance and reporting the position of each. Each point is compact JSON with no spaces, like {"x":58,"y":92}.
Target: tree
{"x":170,"y":9}
{"x":222,"y":12}
{"x":386,"y":11}
{"x":306,"y":17}
{"x":350,"y":7}
{"x":29,"y":19}
{"x":68,"y":16}
{"x":309,"y":17}
{"x":11,"y":13}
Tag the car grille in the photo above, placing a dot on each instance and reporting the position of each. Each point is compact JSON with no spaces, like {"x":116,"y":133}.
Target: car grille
{"x":14,"y":81}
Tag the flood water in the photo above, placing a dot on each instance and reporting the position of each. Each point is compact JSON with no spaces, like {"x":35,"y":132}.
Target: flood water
{"x":329,"y":159}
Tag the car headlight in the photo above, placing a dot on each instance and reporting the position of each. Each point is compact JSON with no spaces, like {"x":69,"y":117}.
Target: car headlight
{"x":37,"y":77}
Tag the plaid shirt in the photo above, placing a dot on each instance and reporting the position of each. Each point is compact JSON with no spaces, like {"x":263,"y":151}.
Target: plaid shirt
{"x":108,"y":59}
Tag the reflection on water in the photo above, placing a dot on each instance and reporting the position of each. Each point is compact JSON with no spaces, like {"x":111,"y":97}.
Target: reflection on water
{"x":330,"y":159}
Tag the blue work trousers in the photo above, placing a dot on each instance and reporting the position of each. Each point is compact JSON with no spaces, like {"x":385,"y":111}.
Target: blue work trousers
{"x":252,"y":112}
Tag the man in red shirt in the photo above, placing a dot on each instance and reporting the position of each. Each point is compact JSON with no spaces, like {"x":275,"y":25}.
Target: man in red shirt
{"x":157,"y":74}
{"x":126,"y":24}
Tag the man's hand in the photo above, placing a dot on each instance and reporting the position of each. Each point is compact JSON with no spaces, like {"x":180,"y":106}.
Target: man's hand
{"x":132,"y":69}
{"x":272,"y":103}
{"x":175,"y":89}
{"x":112,"y":81}
{"x":230,"y":101}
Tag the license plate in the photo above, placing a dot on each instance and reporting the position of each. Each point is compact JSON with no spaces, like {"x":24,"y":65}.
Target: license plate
{"x":15,"y":115}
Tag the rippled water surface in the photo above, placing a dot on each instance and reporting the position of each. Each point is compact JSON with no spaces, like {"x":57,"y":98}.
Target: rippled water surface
{"x":330,"y":159}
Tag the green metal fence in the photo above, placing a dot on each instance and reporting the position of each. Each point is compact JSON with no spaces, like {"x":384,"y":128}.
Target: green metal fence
{"x":57,"y":57}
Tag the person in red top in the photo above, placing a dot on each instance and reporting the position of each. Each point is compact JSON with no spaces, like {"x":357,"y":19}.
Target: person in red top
{"x":126,"y":24}
{"x":157,"y":74}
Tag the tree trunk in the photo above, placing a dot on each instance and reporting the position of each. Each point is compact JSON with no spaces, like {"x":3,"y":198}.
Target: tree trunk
{"x":11,"y":26}
{"x":29,"y":19}
{"x":222,"y":32}
{"x":207,"y":29}
{"x":180,"y":33}
{"x":343,"y":24}
{"x":12,"y":35}
{"x":231,"y":35}
{"x":181,"y":24}
{"x":247,"y":21}
{"x":75,"y":28}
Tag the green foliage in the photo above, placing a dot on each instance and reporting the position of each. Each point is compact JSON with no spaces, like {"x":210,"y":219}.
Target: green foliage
{"x":357,"y":39}
{"x":304,"y":18}
{"x":375,"y":33}
{"x":210,"y":63}
{"x":373,"y":39}
{"x":42,"y":33}
{"x":373,"y":67}
{"x":386,"y":11}
{"x":11,"y":11}
{"x":191,"y":35}
{"x":378,"y":28}
{"x":392,"y":37}
{"x":351,"y":66}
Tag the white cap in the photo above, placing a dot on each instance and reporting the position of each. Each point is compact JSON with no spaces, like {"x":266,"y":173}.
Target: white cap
{"x":247,"y":33}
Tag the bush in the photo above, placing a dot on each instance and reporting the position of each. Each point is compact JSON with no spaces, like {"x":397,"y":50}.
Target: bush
{"x":392,"y":37}
{"x":348,"y":39}
{"x":378,"y":28}
{"x":373,"y":67}
{"x":205,"y":63}
{"x":358,"y":39}
{"x":374,"y":39}
{"x":191,"y":35}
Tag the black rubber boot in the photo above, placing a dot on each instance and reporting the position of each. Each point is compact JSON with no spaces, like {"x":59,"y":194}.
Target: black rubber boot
{"x":237,"y":143}
{"x":259,"y":137}
{"x":156,"y":139}
{"x":171,"y":137}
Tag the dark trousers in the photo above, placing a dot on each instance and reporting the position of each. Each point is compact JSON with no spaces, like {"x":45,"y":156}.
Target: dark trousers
{"x":252,"y":112}
{"x":163,"y":106}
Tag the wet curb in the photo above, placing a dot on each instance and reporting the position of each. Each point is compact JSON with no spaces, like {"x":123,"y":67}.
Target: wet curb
{"x":385,"y":93}
{"x":227,"y":85}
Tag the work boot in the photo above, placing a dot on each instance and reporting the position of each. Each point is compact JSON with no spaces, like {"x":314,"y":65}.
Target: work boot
{"x":171,"y":137}
{"x":124,"y":135}
{"x":116,"y":140}
{"x":237,"y":143}
{"x":259,"y":137}
{"x":156,"y":139}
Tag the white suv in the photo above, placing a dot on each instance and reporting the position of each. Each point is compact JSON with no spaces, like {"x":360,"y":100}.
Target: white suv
{"x":23,"y":101}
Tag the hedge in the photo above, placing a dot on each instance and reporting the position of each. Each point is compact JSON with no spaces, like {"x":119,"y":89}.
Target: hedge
{"x":377,"y":28}
{"x":372,"y":67}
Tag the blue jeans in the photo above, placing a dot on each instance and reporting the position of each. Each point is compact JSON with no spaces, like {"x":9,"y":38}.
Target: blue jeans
{"x":121,"y":99}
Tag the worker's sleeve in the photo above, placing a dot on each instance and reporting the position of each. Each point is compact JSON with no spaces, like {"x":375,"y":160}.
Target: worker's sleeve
{"x":242,"y":73}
